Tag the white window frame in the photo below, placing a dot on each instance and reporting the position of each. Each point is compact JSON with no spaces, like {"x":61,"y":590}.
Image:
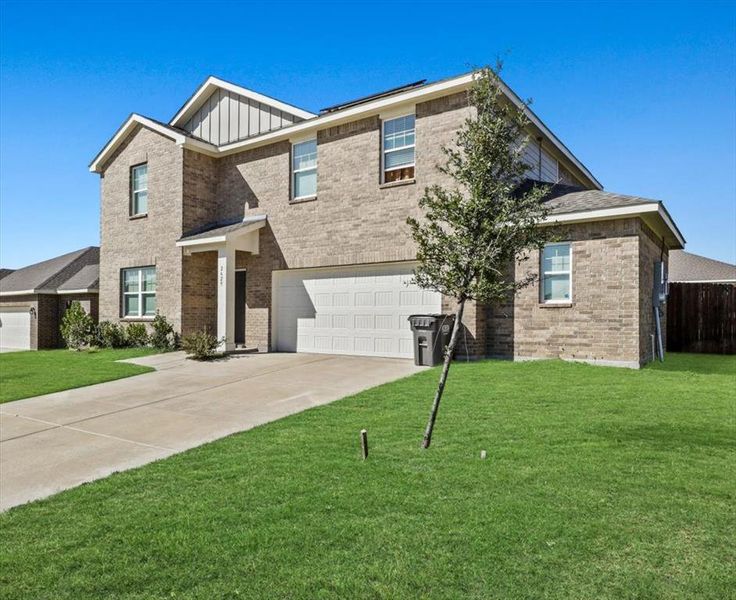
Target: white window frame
{"x":305,"y":170}
{"x":134,"y":191}
{"x":545,"y":274}
{"x":384,"y":151}
{"x":140,"y":293}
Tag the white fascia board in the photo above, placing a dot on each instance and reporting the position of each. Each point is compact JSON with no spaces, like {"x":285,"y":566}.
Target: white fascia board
{"x":133,"y":120}
{"x":537,"y":122}
{"x":186,"y":111}
{"x":374,"y":107}
{"x":79,"y":291}
{"x":671,"y":224}
{"x":255,"y":223}
{"x":220,"y":239}
{"x":27,"y":292}
{"x":393,"y":105}
{"x":604,"y":214}
{"x":601,"y":214}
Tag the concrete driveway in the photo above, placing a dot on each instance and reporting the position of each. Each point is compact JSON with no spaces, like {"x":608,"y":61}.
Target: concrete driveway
{"x":58,"y":441}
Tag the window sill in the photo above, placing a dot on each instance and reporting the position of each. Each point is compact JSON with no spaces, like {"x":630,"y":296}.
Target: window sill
{"x":399,"y":183}
{"x":300,"y":200}
{"x":140,"y":216}
{"x":555,"y":305}
{"x":137,"y":319}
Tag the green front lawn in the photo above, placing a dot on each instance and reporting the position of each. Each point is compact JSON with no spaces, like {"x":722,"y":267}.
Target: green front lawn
{"x":599,"y":483}
{"x":25,"y":374}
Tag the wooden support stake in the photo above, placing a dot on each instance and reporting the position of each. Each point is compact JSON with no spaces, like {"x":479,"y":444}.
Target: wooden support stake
{"x":364,"y":443}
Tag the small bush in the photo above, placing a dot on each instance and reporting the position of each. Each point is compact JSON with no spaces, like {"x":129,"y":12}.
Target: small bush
{"x":163,"y":336}
{"x":137,"y":334}
{"x":110,"y":335}
{"x":77,"y":327}
{"x":200,"y":345}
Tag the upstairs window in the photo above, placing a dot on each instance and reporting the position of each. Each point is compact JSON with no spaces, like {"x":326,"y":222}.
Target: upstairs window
{"x":139,"y":292}
{"x":304,"y":170}
{"x":139,"y":190}
{"x":557,"y":273}
{"x":398,"y":149}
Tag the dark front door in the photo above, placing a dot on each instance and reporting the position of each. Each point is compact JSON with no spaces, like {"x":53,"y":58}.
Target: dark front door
{"x":239,"y":307}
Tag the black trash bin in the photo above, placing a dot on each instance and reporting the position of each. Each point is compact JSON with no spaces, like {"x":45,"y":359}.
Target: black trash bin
{"x":431,"y":337}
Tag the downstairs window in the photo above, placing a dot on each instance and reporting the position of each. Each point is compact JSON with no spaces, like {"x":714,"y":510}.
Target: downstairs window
{"x":556,"y":273}
{"x":138,"y":292}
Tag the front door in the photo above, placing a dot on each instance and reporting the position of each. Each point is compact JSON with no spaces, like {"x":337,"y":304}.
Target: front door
{"x":239,"y":308}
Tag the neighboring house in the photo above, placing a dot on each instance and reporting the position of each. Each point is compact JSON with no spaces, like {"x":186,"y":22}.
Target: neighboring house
{"x":284,"y":230}
{"x":693,"y":268}
{"x":33,"y":300}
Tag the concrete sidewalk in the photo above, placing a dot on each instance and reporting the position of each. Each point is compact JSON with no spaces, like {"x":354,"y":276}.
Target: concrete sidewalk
{"x":58,"y":441}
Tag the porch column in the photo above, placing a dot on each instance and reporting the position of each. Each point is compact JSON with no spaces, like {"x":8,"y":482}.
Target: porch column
{"x":226,"y":297}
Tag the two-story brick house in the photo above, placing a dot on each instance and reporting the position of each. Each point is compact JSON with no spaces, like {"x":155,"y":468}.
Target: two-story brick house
{"x":286,"y":230}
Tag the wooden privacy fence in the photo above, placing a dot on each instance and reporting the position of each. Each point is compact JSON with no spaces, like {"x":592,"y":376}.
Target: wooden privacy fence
{"x":701,"y":317}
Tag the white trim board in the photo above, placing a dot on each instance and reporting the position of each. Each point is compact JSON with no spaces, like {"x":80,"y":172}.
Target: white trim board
{"x":635,"y":210}
{"x":134,"y":120}
{"x":312,"y":122}
{"x":212,"y":83}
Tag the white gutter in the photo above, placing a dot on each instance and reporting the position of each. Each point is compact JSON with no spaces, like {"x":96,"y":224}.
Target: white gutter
{"x":252,"y":223}
{"x":79,"y":291}
{"x":28,"y":292}
{"x":367,"y":109}
{"x":603,"y":214}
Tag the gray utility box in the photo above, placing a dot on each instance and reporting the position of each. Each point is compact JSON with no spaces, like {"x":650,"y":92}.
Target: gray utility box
{"x":431,"y":337}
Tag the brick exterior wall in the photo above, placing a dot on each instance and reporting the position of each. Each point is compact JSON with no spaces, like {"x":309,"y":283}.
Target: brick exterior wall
{"x":49,"y":309}
{"x":148,"y":241}
{"x":610,"y":313}
{"x":354,"y":220}
{"x":650,"y":251}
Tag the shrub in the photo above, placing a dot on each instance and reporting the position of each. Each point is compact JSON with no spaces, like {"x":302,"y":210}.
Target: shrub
{"x":163,"y":336}
{"x":76,"y":327}
{"x":136,"y":334}
{"x":110,"y":335}
{"x":200,"y":345}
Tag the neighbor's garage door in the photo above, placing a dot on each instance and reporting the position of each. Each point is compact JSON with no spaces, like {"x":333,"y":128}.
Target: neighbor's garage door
{"x":358,"y":310}
{"x":15,"y":329}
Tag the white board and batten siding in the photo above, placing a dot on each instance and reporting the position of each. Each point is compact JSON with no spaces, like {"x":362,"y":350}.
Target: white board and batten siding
{"x":360,"y":310}
{"x":227,"y":117}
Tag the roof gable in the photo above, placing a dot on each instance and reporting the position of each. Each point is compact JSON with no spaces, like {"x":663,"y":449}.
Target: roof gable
{"x":221,"y":112}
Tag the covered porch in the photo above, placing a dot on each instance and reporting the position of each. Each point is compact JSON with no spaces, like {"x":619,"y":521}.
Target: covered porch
{"x":226,"y":239}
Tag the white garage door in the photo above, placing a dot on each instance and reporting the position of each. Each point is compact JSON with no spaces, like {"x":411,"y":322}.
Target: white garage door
{"x":354,"y":310}
{"x":15,"y":329}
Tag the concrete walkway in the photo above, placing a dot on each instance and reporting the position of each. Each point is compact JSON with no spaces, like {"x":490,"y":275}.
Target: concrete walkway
{"x":57,"y":441}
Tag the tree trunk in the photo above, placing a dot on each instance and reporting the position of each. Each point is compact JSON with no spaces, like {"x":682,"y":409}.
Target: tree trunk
{"x":445,"y":370}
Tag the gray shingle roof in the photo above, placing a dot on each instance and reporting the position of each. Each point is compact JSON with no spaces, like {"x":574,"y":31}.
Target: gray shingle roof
{"x":562,"y":199}
{"x":684,"y":266}
{"x":87,"y":278}
{"x":5,"y":272}
{"x":220,"y":228}
{"x":592,"y":200}
{"x":48,"y":275}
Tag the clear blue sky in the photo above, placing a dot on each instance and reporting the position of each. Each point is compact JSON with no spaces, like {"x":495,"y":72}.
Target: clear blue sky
{"x":643,"y":94}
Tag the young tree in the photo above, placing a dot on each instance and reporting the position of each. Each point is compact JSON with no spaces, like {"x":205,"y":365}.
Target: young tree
{"x":470,"y":235}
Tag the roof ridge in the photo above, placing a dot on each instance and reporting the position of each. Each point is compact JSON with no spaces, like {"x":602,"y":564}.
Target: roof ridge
{"x":81,"y":253}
